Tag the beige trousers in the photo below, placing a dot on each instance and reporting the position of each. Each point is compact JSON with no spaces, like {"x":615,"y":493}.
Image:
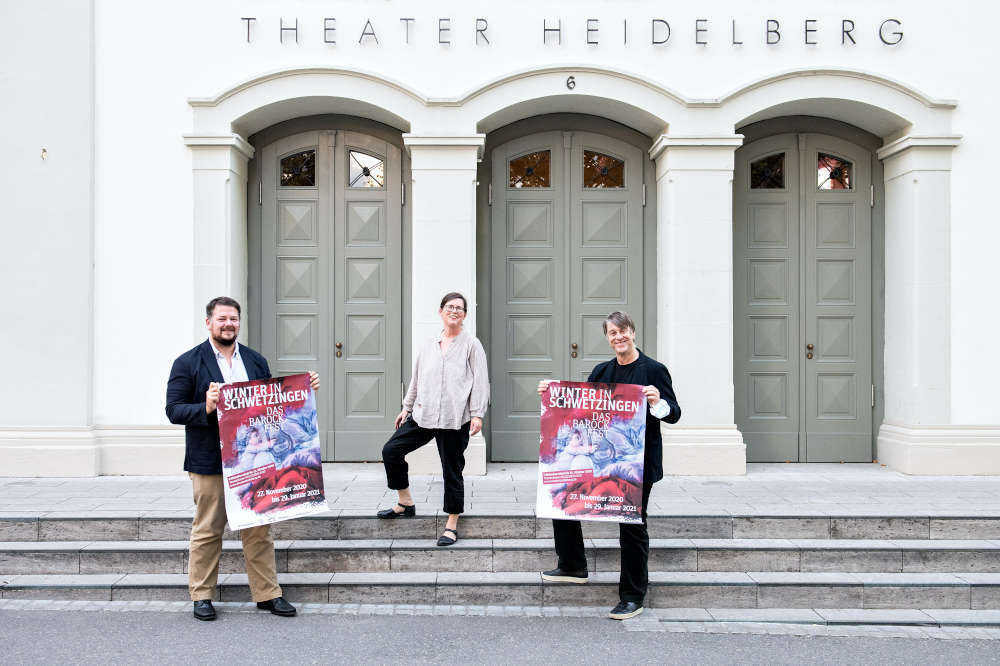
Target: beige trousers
{"x":206,"y":545}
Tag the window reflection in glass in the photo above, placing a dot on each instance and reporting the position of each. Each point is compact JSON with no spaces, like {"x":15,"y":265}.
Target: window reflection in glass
{"x":531,"y":170}
{"x":600,"y":170}
{"x":833,"y":173}
{"x":768,"y":173}
{"x":365,"y":170}
{"x":298,"y":170}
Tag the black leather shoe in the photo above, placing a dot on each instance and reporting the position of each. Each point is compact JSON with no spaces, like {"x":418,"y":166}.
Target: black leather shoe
{"x":557,"y":575}
{"x":409,"y":511}
{"x":203,"y":610}
{"x":624,"y":610}
{"x":278,"y":606}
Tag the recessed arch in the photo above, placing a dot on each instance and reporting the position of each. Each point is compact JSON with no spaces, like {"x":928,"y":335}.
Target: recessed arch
{"x":876,"y":104}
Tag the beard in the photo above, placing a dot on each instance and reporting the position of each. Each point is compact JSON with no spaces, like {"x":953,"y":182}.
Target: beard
{"x":221,"y":341}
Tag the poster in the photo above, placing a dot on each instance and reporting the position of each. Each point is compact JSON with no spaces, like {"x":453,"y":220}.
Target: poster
{"x":271,"y":456}
{"x":590,"y":452}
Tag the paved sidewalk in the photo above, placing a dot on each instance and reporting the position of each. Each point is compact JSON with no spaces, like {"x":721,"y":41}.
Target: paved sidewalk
{"x":509,"y":488}
{"x":656,"y":620}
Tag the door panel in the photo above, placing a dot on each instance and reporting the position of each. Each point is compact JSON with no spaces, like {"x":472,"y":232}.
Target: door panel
{"x":567,"y":250}
{"x":837,"y":286}
{"x":366,"y":322}
{"x":529,"y":265}
{"x":802,"y":299}
{"x":765,"y":296}
{"x":330,"y":266}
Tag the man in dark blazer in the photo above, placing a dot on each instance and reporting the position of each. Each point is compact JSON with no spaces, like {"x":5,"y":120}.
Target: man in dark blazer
{"x":630,"y":366}
{"x":192,"y":396}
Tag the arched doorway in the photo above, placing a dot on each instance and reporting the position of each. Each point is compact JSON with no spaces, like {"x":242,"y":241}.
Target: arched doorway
{"x":326,"y":263}
{"x":567,"y":242}
{"x":803,"y":238}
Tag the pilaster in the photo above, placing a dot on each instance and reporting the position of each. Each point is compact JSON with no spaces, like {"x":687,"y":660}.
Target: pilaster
{"x":694,"y":184}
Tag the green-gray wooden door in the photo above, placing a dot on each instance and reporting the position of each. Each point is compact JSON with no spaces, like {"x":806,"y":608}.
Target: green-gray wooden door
{"x":567,"y":238}
{"x":802,"y":299}
{"x":330,"y":268}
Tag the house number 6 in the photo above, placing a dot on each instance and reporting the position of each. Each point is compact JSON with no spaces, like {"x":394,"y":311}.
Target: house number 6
{"x":571,"y":82}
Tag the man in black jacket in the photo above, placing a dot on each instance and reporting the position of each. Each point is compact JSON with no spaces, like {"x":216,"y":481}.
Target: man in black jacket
{"x":192,"y":396}
{"x":630,"y":366}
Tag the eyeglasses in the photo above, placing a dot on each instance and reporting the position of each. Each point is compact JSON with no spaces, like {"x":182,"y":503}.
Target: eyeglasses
{"x":453,"y":308}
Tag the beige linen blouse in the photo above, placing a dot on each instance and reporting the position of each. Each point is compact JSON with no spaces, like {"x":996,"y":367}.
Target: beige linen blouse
{"x":448,"y":389}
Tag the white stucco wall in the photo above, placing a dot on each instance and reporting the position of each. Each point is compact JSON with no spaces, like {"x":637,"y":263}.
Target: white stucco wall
{"x":148,"y":63}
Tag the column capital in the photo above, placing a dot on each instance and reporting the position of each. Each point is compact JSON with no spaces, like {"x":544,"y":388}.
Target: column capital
{"x":445,"y":142}
{"x":910,"y":141}
{"x":718,"y":141}
{"x":234,"y":141}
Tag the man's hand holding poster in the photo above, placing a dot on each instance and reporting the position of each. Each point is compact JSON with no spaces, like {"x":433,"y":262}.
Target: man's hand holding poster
{"x":591,"y":449}
{"x":271,"y":458}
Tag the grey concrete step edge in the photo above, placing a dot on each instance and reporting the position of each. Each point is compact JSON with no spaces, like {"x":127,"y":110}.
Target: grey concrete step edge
{"x":679,"y":589}
{"x":153,"y":526}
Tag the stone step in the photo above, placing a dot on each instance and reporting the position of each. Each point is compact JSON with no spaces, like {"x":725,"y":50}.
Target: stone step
{"x":351,"y":524}
{"x":512,"y":555}
{"x":732,"y":590}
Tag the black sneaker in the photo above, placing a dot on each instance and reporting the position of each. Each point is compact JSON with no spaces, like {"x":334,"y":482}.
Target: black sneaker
{"x":624,"y":610}
{"x":557,"y":575}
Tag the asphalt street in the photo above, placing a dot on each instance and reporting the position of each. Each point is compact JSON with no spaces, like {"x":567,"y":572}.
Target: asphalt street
{"x":60,"y":637}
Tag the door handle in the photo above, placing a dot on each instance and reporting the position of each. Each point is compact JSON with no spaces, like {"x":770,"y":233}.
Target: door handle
{"x":573,"y":354}
{"x":809,"y":346}
{"x":573,"y":346}
{"x":339,"y":345}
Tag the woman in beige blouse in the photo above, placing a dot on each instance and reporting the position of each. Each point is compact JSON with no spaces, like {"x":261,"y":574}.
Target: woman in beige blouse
{"x":447,"y":399}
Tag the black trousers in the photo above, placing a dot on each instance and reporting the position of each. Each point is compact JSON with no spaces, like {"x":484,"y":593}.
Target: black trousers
{"x":451,"y":446}
{"x":634,"y":540}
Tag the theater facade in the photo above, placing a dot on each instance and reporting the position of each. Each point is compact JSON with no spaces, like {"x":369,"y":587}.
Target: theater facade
{"x":792,"y":202}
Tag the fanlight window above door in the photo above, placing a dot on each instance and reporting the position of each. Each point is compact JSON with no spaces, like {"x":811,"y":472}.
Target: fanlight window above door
{"x":834,"y":173}
{"x":298,"y":169}
{"x":531,"y":170}
{"x":600,"y":170}
{"x":768,"y":173}
{"x":365,"y":170}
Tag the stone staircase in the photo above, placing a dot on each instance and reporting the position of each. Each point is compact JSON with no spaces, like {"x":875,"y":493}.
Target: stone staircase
{"x":696,"y":561}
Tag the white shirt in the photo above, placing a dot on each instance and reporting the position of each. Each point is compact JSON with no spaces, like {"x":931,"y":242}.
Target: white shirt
{"x":237,"y":372}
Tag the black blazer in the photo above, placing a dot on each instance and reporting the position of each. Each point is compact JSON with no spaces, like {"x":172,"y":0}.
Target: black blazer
{"x":189,"y":379}
{"x":647,"y":371}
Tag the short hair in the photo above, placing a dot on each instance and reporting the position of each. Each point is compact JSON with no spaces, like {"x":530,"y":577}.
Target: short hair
{"x":221,"y":300}
{"x":452,"y":295}
{"x":619,"y":319}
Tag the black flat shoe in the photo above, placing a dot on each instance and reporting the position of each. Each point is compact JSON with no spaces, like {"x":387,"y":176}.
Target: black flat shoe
{"x":277,"y":606}
{"x":203,"y":610}
{"x":445,"y":540}
{"x":558,"y":575}
{"x":409,"y":511}
{"x":624,"y":610}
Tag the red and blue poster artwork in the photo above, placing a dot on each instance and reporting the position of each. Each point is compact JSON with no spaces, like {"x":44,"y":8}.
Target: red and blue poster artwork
{"x":271,"y":459}
{"x":590,"y":454}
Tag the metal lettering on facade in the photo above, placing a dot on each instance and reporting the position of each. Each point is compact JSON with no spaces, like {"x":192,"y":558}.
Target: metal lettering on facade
{"x":703,"y":31}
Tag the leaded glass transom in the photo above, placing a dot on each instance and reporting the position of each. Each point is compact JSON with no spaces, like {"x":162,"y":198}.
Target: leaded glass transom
{"x":298,"y":169}
{"x":531,"y":170}
{"x":600,"y":170}
{"x":834,"y":173}
{"x":768,"y":173}
{"x":365,"y":170}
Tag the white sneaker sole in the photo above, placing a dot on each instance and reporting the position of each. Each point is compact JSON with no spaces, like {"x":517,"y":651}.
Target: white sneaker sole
{"x":625,"y":616}
{"x":564,"y":579}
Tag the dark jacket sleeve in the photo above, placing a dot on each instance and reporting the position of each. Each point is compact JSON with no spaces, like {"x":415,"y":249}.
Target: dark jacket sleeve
{"x":660,"y":378}
{"x":183,"y":406}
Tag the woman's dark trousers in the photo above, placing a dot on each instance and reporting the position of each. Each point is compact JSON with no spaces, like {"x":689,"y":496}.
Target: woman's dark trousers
{"x":634,"y":540}
{"x":451,"y":445}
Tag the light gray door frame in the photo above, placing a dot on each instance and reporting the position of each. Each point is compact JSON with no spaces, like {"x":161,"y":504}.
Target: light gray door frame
{"x":331,"y":265}
{"x":803,"y":322}
{"x":563,"y":257}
